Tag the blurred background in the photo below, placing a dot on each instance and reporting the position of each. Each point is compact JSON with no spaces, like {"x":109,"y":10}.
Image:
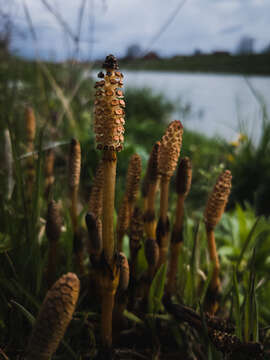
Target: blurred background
{"x":205,"y":63}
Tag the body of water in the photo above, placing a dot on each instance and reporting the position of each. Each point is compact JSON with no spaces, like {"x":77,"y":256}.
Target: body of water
{"x":222,"y":105}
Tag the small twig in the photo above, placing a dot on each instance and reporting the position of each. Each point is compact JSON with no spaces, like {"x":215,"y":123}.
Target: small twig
{"x":60,"y":20}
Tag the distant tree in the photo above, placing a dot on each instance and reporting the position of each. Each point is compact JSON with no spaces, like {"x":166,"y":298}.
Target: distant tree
{"x":266,"y":50}
{"x":133,"y":51}
{"x":197,"y":51}
{"x":245,"y":45}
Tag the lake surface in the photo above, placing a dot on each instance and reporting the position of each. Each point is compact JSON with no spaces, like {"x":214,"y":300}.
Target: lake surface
{"x":222,"y":105}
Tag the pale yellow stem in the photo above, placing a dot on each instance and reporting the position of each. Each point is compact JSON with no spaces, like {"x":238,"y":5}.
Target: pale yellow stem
{"x":215,"y":281}
{"x":109,"y":168}
{"x":164,"y":239}
{"x":150,"y":221}
{"x":175,"y":246}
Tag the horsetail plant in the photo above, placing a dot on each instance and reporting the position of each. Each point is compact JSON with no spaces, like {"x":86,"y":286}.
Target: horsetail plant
{"x":53,"y":232}
{"x":54,"y":316}
{"x":95,"y":246}
{"x":123,"y":221}
{"x":121,"y":297}
{"x":183,"y":184}
{"x":74,"y":170}
{"x":135,"y":238}
{"x":151,"y":180}
{"x":169,"y":153}
{"x":130,"y":196}
{"x":109,"y":128}
{"x":133,"y":181}
{"x":96,"y":195}
{"x":213,"y":212}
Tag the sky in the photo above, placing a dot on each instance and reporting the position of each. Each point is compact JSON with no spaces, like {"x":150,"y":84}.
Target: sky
{"x":168,"y":27}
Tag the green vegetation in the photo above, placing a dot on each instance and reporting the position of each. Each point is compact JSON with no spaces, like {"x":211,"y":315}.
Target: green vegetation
{"x":253,"y":64}
{"x":151,"y":326}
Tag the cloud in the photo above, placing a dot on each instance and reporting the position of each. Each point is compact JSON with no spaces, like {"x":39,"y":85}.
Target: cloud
{"x":112,"y":25}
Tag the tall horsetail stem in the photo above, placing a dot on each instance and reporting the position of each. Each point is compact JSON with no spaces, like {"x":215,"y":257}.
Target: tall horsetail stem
{"x":170,"y":148}
{"x":109,"y":129}
{"x":132,"y":188}
{"x":151,"y":185}
{"x":182,"y":187}
{"x":213,"y":212}
{"x":73,"y":182}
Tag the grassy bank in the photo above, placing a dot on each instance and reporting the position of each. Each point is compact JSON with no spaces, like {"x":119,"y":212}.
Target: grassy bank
{"x":255,"y":64}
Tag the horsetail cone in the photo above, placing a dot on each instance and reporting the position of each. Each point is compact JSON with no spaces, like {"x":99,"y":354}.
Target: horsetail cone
{"x":54,"y":222}
{"x":183,"y":177}
{"x":136,"y":231}
{"x":217,"y":200}
{"x":123,"y":221}
{"x":95,"y":245}
{"x":53,"y":318}
{"x":96,"y":196}
{"x":74,"y":164}
{"x":30,"y":123}
{"x":109,"y":107}
{"x":152,"y":167}
{"x":124,"y":272}
{"x":170,"y":148}
{"x":133,"y":178}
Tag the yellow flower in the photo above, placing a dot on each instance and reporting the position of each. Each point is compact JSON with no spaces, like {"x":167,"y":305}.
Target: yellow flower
{"x":230,"y":158}
{"x":234,"y":143}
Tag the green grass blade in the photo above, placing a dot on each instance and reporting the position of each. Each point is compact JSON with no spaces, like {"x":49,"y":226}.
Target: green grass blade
{"x":247,"y":242}
{"x":25,"y":312}
{"x":157,"y":289}
{"x":206,"y":284}
{"x":237,"y":309}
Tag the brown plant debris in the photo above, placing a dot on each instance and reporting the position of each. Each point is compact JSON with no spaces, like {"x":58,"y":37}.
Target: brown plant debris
{"x":53,"y":318}
{"x":170,"y":148}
